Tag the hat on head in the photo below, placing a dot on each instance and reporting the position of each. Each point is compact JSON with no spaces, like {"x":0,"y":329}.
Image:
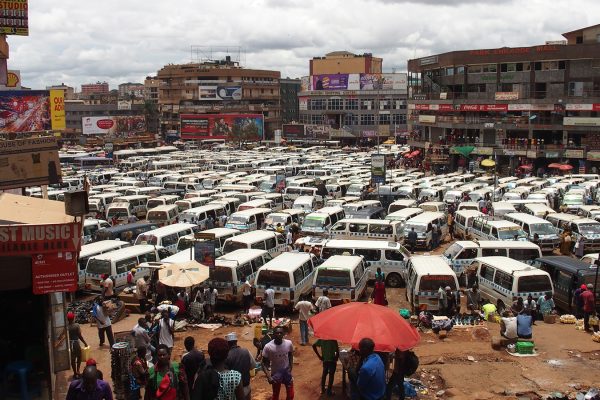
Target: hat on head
{"x":70,"y":316}
{"x":91,"y":362}
{"x":448,"y":288}
{"x":133,"y":270}
{"x":583,"y":287}
{"x":231,"y":337}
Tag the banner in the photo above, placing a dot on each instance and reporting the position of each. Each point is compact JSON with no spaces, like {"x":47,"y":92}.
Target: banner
{"x":57,"y":110}
{"x":378,"y":167}
{"x":330,"y":82}
{"x":121,"y":126}
{"x":204,"y":252}
{"x":24,"y":111}
{"x":234,"y":127}
{"x":219,"y":92}
{"x":581,"y":121}
{"x":280,"y":183}
{"x":14,"y":17}
{"x":305,"y":84}
{"x":383,"y":81}
{"x":29,"y":162}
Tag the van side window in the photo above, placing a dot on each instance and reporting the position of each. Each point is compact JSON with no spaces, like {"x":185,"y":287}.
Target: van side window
{"x":564,"y":279}
{"x":298,"y":275}
{"x":359,"y":228}
{"x":394,"y":255}
{"x":170,"y":240}
{"x":467,"y":254}
{"x":257,"y":263}
{"x":381,"y":229}
{"x":524,"y":254}
{"x":504,"y":280}
{"x":340,"y":226}
{"x":307,"y":267}
{"x":487,"y":272}
{"x":271,"y":243}
{"x":493,"y":252}
{"x":369,"y":254}
{"x":243,"y":272}
{"x":259,"y":245}
{"x":125,"y":265}
{"x":280,"y":240}
{"x":358,"y":273}
{"x":494,"y":232}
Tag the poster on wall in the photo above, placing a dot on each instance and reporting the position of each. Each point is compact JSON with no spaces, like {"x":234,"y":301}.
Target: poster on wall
{"x":113,"y":126}
{"x":234,"y":127}
{"x":305,"y":84}
{"x":29,"y":162}
{"x":14,"y":18}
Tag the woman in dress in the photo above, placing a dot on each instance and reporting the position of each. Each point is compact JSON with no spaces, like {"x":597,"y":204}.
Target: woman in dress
{"x":378,"y":295}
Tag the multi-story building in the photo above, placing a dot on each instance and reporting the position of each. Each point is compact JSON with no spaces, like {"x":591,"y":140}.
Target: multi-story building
{"x":217,"y":87}
{"x":129,"y":89}
{"x":68,"y":90}
{"x":289,"y":89}
{"x":151,"y":84}
{"x":94,"y":88}
{"x":533,"y":104}
{"x":348,"y":98}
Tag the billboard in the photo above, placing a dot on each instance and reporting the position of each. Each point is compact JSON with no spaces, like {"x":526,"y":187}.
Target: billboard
{"x":24,"y":111}
{"x":57,"y":110}
{"x":121,"y":126}
{"x":29,"y":162}
{"x":335,"y":82}
{"x":219,"y":92}
{"x":204,"y":252}
{"x":13,"y":17}
{"x":317,"y":132}
{"x":235,"y":127}
{"x":293,"y":131}
{"x":305,"y":84}
{"x":383,"y":82}
{"x":378,"y":166}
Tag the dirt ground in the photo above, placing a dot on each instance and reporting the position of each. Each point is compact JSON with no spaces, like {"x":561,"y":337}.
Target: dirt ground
{"x":461,"y":366}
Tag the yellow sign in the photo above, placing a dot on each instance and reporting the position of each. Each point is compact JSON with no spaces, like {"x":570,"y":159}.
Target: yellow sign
{"x":57,"y":110}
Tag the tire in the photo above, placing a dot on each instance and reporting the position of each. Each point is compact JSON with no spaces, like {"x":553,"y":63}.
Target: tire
{"x":394,"y":280}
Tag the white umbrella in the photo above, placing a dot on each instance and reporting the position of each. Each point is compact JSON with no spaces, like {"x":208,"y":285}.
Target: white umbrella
{"x":184,"y":274}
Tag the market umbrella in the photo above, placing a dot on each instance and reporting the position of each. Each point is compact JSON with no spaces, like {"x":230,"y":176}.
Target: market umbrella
{"x":185,"y":274}
{"x":464,"y":150}
{"x":526,"y":167}
{"x":488,"y":162}
{"x":554,"y":165}
{"x":565,"y":167}
{"x":351,"y":322}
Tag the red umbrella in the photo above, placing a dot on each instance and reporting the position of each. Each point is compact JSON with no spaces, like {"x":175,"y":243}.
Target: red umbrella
{"x":527,"y":167}
{"x":554,"y":165}
{"x":351,"y":322}
{"x":565,"y":167}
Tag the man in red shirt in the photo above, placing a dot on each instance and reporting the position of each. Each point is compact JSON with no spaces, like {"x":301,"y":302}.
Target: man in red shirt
{"x":588,"y":300}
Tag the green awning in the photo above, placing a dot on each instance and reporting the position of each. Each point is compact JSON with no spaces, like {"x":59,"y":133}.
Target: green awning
{"x":464,"y":150}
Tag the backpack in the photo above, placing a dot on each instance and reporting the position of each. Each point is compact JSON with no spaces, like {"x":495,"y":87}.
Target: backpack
{"x":206,"y":384}
{"x":411,"y":363}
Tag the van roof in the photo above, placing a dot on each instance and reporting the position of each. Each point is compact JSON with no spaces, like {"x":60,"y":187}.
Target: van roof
{"x":564,"y":216}
{"x":251,"y":211}
{"x":500,"y":223}
{"x":469,"y":213}
{"x":510,"y":266}
{"x":253,"y":236}
{"x":286,"y":262}
{"x":425,"y":217}
{"x":327,"y":210}
{"x":502,"y":244}
{"x":341,"y":262}
{"x":361,"y":244}
{"x":237,"y":257}
{"x":167,"y":230}
{"x":369,"y":221}
{"x":527,"y":218}
{"x":427,"y":265}
{"x":164,"y":207}
{"x":256,"y":202}
{"x":101,"y":246}
{"x":125,"y":252}
{"x":567,"y":263}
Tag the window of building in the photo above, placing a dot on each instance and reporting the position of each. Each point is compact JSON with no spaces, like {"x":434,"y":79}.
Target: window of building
{"x":335,"y":104}
{"x":399,"y":105}
{"x":366,"y":104}
{"x":576,"y":89}
{"x":399,"y":119}
{"x":549,"y":65}
{"x":460,"y":70}
{"x":476,"y":88}
{"x":316,"y":119}
{"x":450,"y":71}
{"x":351,"y":104}
{"x":367,"y":119}
{"x":385,"y":104}
{"x":482,"y":69}
{"x":350,"y":119}
{"x":384,"y":119}
{"x":510,"y":67}
{"x":316,"y":104}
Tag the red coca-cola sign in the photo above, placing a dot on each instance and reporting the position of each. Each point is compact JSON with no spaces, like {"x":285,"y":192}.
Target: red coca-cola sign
{"x":105,"y":123}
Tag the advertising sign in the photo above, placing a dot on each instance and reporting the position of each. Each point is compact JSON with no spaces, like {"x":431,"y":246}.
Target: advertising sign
{"x":123,"y":105}
{"x":219,"y":92}
{"x":383,"y":81}
{"x":29,"y":162}
{"x":330,"y":82}
{"x":34,"y":239}
{"x":235,"y":127}
{"x":293,"y":131}
{"x":506,"y":96}
{"x":54,"y":272}
{"x":121,"y":126}
{"x":24,"y":111}
{"x":427,"y":119}
{"x":204,"y":252}
{"x":13,"y":80}
{"x":13,"y":17}
{"x":378,"y":166}
{"x":303,"y":103}
{"x":318,"y":132}
{"x":57,"y":110}
{"x":581,"y":121}
{"x":573,"y":153}
{"x":280,"y":182}
{"x":305,"y":84}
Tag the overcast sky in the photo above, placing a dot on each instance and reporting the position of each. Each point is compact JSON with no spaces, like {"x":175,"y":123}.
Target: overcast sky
{"x":75,"y":42}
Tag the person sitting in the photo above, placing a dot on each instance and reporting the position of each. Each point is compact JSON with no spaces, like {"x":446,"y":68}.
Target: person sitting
{"x":517,"y":306}
{"x":525,"y":325}
{"x":508,"y":325}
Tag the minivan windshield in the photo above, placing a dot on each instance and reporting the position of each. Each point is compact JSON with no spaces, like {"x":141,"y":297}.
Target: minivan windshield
{"x":231,"y":245}
{"x":220,"y":274}
{"x":543,"y":229}
{"x":156,"y":215}
{"x":273,"y":278}
{"x":589,"y":229}
{"x":534,"y":283}
{"x":95,"y":266}
{"x":510,"y":233}
{"x":418,"y":228}
{"x":333,"y":277}
{"x":432,"y":283}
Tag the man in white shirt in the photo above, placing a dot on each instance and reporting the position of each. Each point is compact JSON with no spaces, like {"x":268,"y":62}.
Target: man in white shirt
{"x":103,"y":322}
{"x":323,"y":303}
{"x":210,"y":301}
{"x":166,"y":330}
{"x":290,"y":239}
{"x":247,"y":295}
{"x":277,"y":363}
{"x":141,"y":292}
{"x":304,"y":307}
{"x":268,"y":306}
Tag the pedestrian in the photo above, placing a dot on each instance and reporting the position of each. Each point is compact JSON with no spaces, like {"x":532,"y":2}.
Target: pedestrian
{"x":166,"y":380}
{"x":378,"y":295}
{"x":536,"y":240}
{"x":434,"y":236}
{"x":142,"y":338}
{"x":210,"y":222}
{"x":508,"y":325}
{"x":289,"y":239}
{"x":451,"y":226}
{"x":279,"y":228}
{"x":545,"y":304}
{"x":474,"y":298}
{"x":139,"y":373}
{"x":525,"y":325}
{"x":452,"y":302}
{"x":131,"y":277}
{"x":323,"y":303}
{"x":92,"y":363}
{"x":166,"y":329}
{"x":565,"y":243}
{"x":74,"y":337}
{"x":579,"y":246}
{"x":241,"y":360}
{"x":108,"y":287}
{"x":210,"y":300}
{"x":141,"y":292}
{"x":330,"y":353}
{"x":304,"y":306}
{"x":89,"y":387}
{"x":247,"y":295}
{"x":412,"y":240}
{"x":370,"y":381}
{"x":379,"y":275}
{"x":192,"y":360}
{"x":517,"y":306}
{"x":277,"y":364}
{"x":442,"y":298}
{"x":268,"y":306}
{"x":578,"y":301}
{"x":589,"y":305}
{"x":103,"y":322}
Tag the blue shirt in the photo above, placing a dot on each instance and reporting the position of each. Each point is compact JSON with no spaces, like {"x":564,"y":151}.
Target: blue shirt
{"x":77,"y":391}
{"x":524,"y":325}
{"x":371,"y":378}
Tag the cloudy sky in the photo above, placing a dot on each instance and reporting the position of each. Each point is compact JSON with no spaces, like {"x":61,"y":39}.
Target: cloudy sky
{"x":75,"y":41}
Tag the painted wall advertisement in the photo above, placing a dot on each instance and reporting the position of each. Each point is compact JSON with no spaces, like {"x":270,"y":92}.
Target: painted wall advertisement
{"x":219,"y":92}
{"x":31,"y":111}
{"x":53,"y":249}
{"x":235,"y":127}
{"x":359,"y":82}
{"x":121,"y":126}
{"x":14,"y":18}
{"x":378,"y":166}
{"x":29,"y":162}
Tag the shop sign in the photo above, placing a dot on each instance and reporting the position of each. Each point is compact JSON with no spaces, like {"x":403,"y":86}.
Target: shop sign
{"x":581,"y":121}
{"x":428,"y":60}
{"x":54,"y":272}
{"x":515,"y":152}
{"x":593,"y":155}
{"x":506,"y":96}
{"x":485,"y":151}
{"x":583,"y":107}
{"x":552,"y":154}
{"x":531,"y":154}
{"x":573,"y":153}
{"x":427,"y":119}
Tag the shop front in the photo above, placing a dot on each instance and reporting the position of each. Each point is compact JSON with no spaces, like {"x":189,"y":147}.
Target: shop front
{"x":39,"y":246}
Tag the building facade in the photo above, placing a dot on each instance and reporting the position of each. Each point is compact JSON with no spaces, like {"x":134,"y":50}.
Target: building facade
{"x":347,"y":98}
{"x":151,"y":84}
{"x":93,"y":88}
{"x":69,"y":92}
{"x":217,"y":87}
{"x":535,"y":104}
{"x":129,"y":89}
{"x":290,"y":110}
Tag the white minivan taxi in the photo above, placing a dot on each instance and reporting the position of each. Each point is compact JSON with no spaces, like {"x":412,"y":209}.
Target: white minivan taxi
{"x":425,"y":275}
{"x":344,"y":277}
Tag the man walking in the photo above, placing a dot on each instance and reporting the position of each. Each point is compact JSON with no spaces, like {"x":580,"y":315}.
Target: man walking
{"x":193,"y":360}
{"x":329,"y":356}
{"x":412,"y":240}
{"x":240,"y":359}
{"x":166,"y":330}
{"x":578,"y":301}
{"x":323,"y":303}
{"x":268,"y":306}
{"x":89,"y":387}
{"x":247,"y":295}
{"x":103,"y":322}
{"x":588,"y":300}
{"x":278,"y":354}
{"x":304,"y":307}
